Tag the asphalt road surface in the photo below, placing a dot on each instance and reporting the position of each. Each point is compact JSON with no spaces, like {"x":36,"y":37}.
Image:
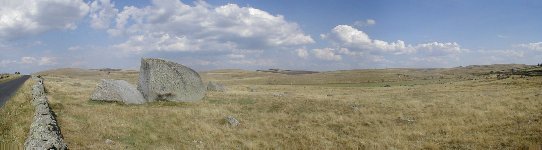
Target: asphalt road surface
{"x":9,"y":88}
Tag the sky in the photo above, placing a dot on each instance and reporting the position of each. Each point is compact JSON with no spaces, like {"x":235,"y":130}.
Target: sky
{"x":317,"y":35}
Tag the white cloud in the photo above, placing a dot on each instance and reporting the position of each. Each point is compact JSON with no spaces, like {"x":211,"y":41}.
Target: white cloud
{"x":5,"y":63}
{"x":20,"y":18}
{"x":38,"y":61}
{"x":513,"y":53}
{"x":101,"y":13}
{"x":236,"y":56}
{"x":159,"y":42}
{"x":436,"y":48}
{"x":326,"y":54}
{"x":345,"y":36}
{"x":508,"y":53}
{"x":28,"y":60}
{"x":302,"y":52}
{"x":368,"y":22}
{"x":349,"y":36}
{"x":428,"y":59}
{"x":502,"y":36}
{"x":532,"y":46}
{"x":371,"y":21}
{"x":170,"y":25}
{"x":74,"y":48}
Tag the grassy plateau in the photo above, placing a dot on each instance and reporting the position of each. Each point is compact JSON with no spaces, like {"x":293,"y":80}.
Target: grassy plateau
{"x":454,"y":108}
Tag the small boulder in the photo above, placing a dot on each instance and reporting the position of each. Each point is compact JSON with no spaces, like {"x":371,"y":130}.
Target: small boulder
{"x":217,"y":87}
{"x":278,"y":94}
{"x":165,"y":80}
{"x":108,"y":141}
{"x":117,"y":90}
{"x":232,"y":121}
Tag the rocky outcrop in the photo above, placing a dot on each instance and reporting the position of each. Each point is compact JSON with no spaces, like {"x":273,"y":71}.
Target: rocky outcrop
{"x":117,"y":90}
{"x":217,"y":87}
{"x":44,"y":131}
{"x":166,"y":80}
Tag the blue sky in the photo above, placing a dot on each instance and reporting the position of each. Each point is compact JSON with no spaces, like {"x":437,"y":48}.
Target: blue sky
{"x":304,"y":34}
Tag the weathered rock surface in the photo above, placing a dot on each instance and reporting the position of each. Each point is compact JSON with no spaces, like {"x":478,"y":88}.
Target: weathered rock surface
{"x":217,"y":87}
{"x":232,"y":121}
{"x":117,"y":90}
{"x":44,"y":130}
{"x":166,"y":80}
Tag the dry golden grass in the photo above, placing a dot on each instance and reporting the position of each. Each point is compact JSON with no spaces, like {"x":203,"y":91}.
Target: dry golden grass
{"x":423,"y":108}
{"x":16,"y":116}
{"x":11,"y":77}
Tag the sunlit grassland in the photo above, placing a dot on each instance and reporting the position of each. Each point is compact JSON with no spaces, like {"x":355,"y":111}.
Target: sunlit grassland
{"x":16,"y":116}
{"x":434,"y":108}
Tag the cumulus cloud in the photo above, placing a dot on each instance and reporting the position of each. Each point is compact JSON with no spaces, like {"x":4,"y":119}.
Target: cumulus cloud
{"x":326,"y":54}
{"x":170,"y":25}
{"x":20,"y":18}
{"x":439,"y":49}
{"x":5,"y":63}
{"x":532,"y":46}
{"x":346,"y":36}
{"x":302,"y":52}
{"x":236,"y":56}
{"x":101,"y":13}
{"x":159,"y":42}
{"x":353,"y":46}
{"x":38,"y":61}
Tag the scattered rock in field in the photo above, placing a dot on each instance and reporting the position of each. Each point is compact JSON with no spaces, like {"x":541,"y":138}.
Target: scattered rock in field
{"x":387,"y":85}
{"x":108,"y":141}
{"x":232,"y":121}
{"x":278,"y":94}
{"x":405,"y":120}
{"x":217,"y":87}
{"x":329,"y":94}
{"x":502,"y":76}
{"x":165,"y":80}
{"x":251,"y":89}
{"x":117,"y":90}
{"x":355,"y":107}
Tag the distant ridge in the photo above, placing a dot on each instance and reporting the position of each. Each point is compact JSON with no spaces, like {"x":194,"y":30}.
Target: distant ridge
{"x":288,"y":72}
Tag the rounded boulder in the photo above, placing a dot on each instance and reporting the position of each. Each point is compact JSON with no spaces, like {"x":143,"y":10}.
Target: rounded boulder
{"x":165,"y":80}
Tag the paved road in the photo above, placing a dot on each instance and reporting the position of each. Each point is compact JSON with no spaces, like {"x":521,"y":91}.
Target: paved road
{"x":9,"y":88}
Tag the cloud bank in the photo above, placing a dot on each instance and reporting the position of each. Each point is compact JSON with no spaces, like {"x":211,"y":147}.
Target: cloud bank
{"x":214,"y":37}
{"x":30,"y":17}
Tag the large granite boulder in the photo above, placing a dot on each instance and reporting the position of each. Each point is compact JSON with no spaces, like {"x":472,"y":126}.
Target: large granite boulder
{"x":165,"y":80}
{"x":117,"y":90}
{"x":217,"y":87}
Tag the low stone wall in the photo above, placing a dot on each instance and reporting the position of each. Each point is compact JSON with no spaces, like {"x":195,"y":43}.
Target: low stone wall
{"x":44,"y":131}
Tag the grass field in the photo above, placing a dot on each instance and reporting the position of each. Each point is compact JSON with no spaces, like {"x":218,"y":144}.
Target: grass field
{"x":456,"y":108}
{"x":16,"y":116}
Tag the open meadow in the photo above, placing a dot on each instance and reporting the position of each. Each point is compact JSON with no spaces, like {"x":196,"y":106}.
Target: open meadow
{"x":456,"y":108}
